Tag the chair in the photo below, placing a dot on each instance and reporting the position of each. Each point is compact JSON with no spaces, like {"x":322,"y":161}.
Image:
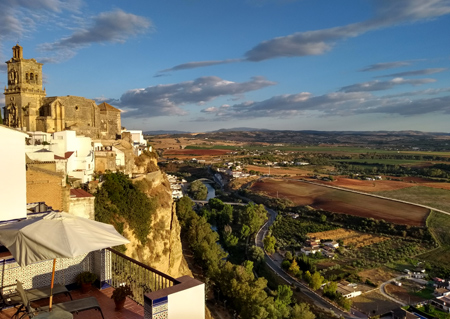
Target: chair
{"x":73,"y":306}
{"x":13,"y":299}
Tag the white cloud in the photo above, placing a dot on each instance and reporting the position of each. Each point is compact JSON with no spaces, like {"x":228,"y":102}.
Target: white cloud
{"x":168,"y":99}
{"x":383,"y":85}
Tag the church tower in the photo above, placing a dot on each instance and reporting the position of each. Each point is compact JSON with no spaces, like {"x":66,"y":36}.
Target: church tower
{"x":24,"y":93}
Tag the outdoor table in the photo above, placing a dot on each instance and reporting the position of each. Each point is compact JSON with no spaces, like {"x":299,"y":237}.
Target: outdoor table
{"x":54,"y":314}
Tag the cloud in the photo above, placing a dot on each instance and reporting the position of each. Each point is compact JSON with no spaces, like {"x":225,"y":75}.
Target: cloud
{"x":317,"y":42}
{"x":385,"y":66}
{"x":18,"y":17}
{"x":383,"y":85}
{"x":332,"y":104}
{"x":420,"y":92}
{"x":193,"y":65}
{"x":113,"y":26}
{"x":168,"y":99}
{"x":414,"y":73}
{"x":412,"y":107}
{"x":108,"y":27}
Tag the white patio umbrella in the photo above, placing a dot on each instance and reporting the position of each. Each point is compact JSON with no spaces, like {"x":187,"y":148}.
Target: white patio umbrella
{"x":57,"y":235}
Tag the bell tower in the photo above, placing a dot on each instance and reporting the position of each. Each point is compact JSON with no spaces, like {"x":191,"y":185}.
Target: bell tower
{"x":24,"y":92}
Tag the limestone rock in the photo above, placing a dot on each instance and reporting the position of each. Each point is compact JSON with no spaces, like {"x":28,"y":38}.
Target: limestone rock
{"x":163,"y":250}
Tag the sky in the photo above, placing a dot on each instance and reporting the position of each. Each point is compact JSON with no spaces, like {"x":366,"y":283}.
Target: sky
{"x":203,"y":65}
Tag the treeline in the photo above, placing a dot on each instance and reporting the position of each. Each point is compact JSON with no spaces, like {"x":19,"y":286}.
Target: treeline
{"x":441,"y":171}
{"x":304,"y":268}
{"x":291,"y":233}
{"x":369,"y":225}
{"x":235,"y":283}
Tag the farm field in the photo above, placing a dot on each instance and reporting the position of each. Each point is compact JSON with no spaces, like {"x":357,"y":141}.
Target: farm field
{"x":405,"y":291}
{"x":349,"y":237}
{"x":378,"y":275}
{"x":439,"y":225}
{"x":374,"y":303}
{"x":196,"y":152}
{"x":384,"y":185}
{"x":429,"y":196}
{"x":291,"y":171}
{"x":344,"y":202}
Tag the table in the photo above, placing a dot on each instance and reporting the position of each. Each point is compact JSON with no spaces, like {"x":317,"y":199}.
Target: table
{"x":54,"y":314}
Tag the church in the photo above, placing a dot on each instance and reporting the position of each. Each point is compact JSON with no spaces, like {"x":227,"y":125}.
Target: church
{"x":27,"y":107}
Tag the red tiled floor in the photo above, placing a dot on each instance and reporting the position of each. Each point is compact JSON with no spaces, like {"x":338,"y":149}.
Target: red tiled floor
{"x":131,"y":310}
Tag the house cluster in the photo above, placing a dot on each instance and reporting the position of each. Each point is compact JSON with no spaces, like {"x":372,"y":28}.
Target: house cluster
{"x":233,"y":169}
{"x":80,"y":157}
{"x":442,"y":294}
{"x":326,"y":248}
{"x":176,"y":186}
{"x":417,"y":273}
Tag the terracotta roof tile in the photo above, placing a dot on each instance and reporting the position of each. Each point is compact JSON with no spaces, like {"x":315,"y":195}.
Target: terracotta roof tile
{"x":77,"y":192}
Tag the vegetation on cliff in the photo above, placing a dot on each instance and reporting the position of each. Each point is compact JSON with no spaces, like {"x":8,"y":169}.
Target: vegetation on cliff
{"x":234,"y":283}
{"x":119,"y":197}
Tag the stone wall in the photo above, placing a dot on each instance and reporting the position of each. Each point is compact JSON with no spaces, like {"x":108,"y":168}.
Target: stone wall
{"x":105,"y":161}
{"x":83,"y":207}
{"x":46,"y":186}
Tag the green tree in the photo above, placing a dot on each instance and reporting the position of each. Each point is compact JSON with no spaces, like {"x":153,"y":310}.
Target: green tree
{"x":230,"y":240}
{"x":288,"y":256}
{"x":256,"y":254}
{"x":245,"y":231}
{"x":284,"y":294}
{"x":184,"y":210}
{"x":198,"y":190}
{"x":329,"y":289}
{"x":316,"y":281}
{"x":254,"y":216}
{"x":302,"y":311}
{"x":269,"y":244}
{"x":294,"y":268}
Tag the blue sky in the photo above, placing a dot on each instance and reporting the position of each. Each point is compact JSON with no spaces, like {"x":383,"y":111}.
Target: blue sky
{"x":197,"y":65}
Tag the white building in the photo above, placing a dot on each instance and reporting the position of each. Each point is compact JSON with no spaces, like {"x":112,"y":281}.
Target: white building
{"x":13,"y":188}
{"x":78,"y":151}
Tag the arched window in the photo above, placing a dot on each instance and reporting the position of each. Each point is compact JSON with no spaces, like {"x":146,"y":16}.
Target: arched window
{"x":31,"y":76}
{"x":26,"y":76}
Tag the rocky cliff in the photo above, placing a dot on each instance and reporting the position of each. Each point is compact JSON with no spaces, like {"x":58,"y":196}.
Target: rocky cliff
{"x":163,"y":250}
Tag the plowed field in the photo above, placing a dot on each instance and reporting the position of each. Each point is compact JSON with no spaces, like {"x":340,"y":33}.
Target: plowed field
{"x":344,"y":202}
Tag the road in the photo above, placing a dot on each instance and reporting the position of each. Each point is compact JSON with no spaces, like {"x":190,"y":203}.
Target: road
{"x":318,"y":300}
{"x":384,"y":293}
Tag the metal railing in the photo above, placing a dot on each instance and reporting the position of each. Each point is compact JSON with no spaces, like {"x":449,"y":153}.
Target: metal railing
{"x":141,"y":278}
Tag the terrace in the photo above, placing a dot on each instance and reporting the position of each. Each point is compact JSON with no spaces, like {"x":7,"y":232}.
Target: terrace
{"x":155,"y":294}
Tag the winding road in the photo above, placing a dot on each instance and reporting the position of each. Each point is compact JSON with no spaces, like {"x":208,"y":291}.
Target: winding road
{"x":317,"y":299}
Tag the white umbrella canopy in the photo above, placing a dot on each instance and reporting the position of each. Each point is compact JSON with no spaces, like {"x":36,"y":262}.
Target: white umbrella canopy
{"x":57,"y":235}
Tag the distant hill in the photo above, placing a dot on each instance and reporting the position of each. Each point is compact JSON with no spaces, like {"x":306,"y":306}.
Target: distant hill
{"x":240,"y":129}
{"x":162,"y":132}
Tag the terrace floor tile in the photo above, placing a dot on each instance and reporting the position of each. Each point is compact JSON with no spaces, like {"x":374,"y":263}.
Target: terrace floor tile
{"x":132,"y":310}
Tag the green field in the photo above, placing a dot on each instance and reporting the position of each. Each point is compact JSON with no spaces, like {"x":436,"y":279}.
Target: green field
{"x":321,"y":149}
{"x":380,"y":161}
{"x":439,"y":225}
{"x":429,"y":196}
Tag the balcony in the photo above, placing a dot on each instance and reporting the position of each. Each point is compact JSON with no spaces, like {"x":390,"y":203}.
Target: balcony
{"x":155,"y":294}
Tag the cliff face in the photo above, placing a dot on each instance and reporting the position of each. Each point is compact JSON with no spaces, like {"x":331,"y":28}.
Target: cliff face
{"x":163,"y":250}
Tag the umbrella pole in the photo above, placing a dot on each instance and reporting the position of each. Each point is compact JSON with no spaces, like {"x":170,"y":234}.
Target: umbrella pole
{"x":51,"y":285}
